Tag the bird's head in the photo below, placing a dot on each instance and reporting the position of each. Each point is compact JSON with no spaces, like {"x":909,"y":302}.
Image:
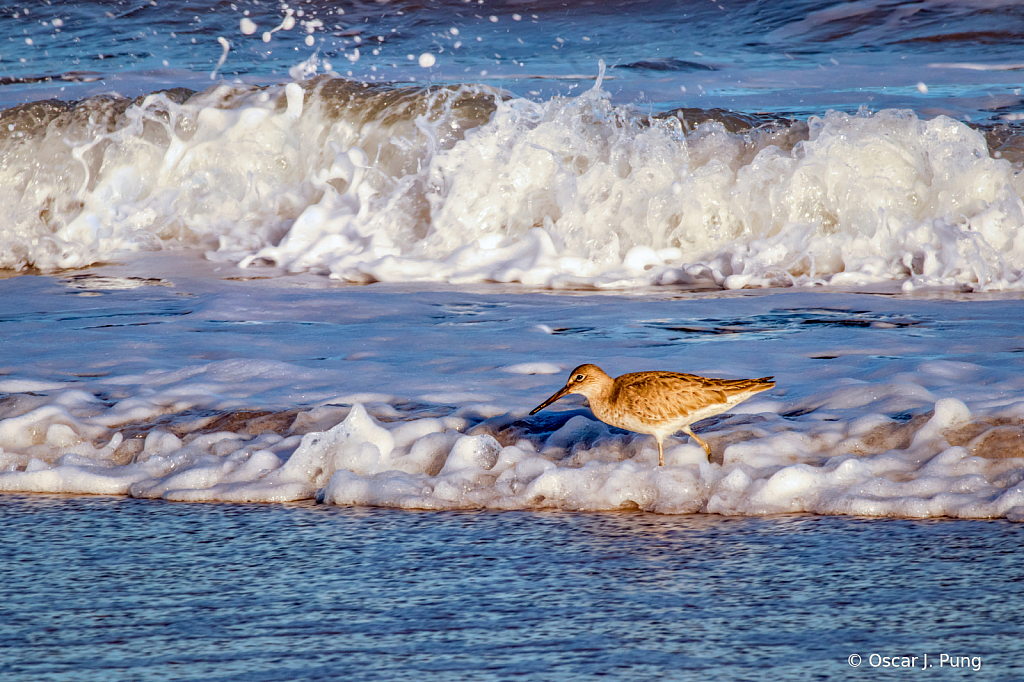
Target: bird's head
{"x":588,"y":380}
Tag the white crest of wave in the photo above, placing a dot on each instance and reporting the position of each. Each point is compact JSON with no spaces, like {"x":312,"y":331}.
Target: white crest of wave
{"x":566,"y":192}
{"x":575,"y":192}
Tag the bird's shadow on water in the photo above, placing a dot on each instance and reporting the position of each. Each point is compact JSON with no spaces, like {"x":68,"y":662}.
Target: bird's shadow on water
{"x":720,"y":431}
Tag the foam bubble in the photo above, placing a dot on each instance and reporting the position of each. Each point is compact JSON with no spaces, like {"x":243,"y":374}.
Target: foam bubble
{"x":532,"y":368}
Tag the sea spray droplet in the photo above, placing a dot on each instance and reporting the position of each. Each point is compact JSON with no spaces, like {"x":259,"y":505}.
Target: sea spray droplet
{"x":427,"y":60}
{"x":287,"y":24}
{"x":223,"y":55}
{"x":247,"y":26}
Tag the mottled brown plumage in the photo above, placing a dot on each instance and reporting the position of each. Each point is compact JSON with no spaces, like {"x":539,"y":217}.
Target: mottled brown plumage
{"x":657,"y":403}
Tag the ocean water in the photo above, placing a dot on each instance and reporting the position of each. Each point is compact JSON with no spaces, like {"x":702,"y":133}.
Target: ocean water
{"x":244,"y":592}
{"x":312,"y":265}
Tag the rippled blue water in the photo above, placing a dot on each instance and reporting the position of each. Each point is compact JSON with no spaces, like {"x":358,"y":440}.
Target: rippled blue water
{"x":104,"y":589}
{"x":796,"y":57}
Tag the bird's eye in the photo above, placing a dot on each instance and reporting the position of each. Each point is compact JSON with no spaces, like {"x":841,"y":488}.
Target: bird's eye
{"x":578,"y":377}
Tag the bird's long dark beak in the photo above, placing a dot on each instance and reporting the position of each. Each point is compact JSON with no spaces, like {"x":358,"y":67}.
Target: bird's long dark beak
{"x":565,"y":389}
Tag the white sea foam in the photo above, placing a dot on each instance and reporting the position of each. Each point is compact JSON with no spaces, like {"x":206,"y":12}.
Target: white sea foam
{"x":562,"y":193}
{"x":271,"y":391}
{"x":949,"y":460}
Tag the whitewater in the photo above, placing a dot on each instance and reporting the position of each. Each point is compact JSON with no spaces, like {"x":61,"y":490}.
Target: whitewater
{"x":368,"y":183}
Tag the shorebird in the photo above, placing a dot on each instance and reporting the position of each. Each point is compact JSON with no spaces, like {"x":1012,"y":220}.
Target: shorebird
{"x":657,"y":403}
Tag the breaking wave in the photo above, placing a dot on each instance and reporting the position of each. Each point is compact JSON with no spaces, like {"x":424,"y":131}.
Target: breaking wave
{"x":466,"y":183}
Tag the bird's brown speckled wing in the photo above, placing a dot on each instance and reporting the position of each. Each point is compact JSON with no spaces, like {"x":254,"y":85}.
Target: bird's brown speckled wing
{"x":655,"y":396}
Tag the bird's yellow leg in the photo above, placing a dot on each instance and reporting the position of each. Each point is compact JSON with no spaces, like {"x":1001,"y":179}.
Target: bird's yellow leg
{"x":691,"y":434}
{"x":661,"y":455}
